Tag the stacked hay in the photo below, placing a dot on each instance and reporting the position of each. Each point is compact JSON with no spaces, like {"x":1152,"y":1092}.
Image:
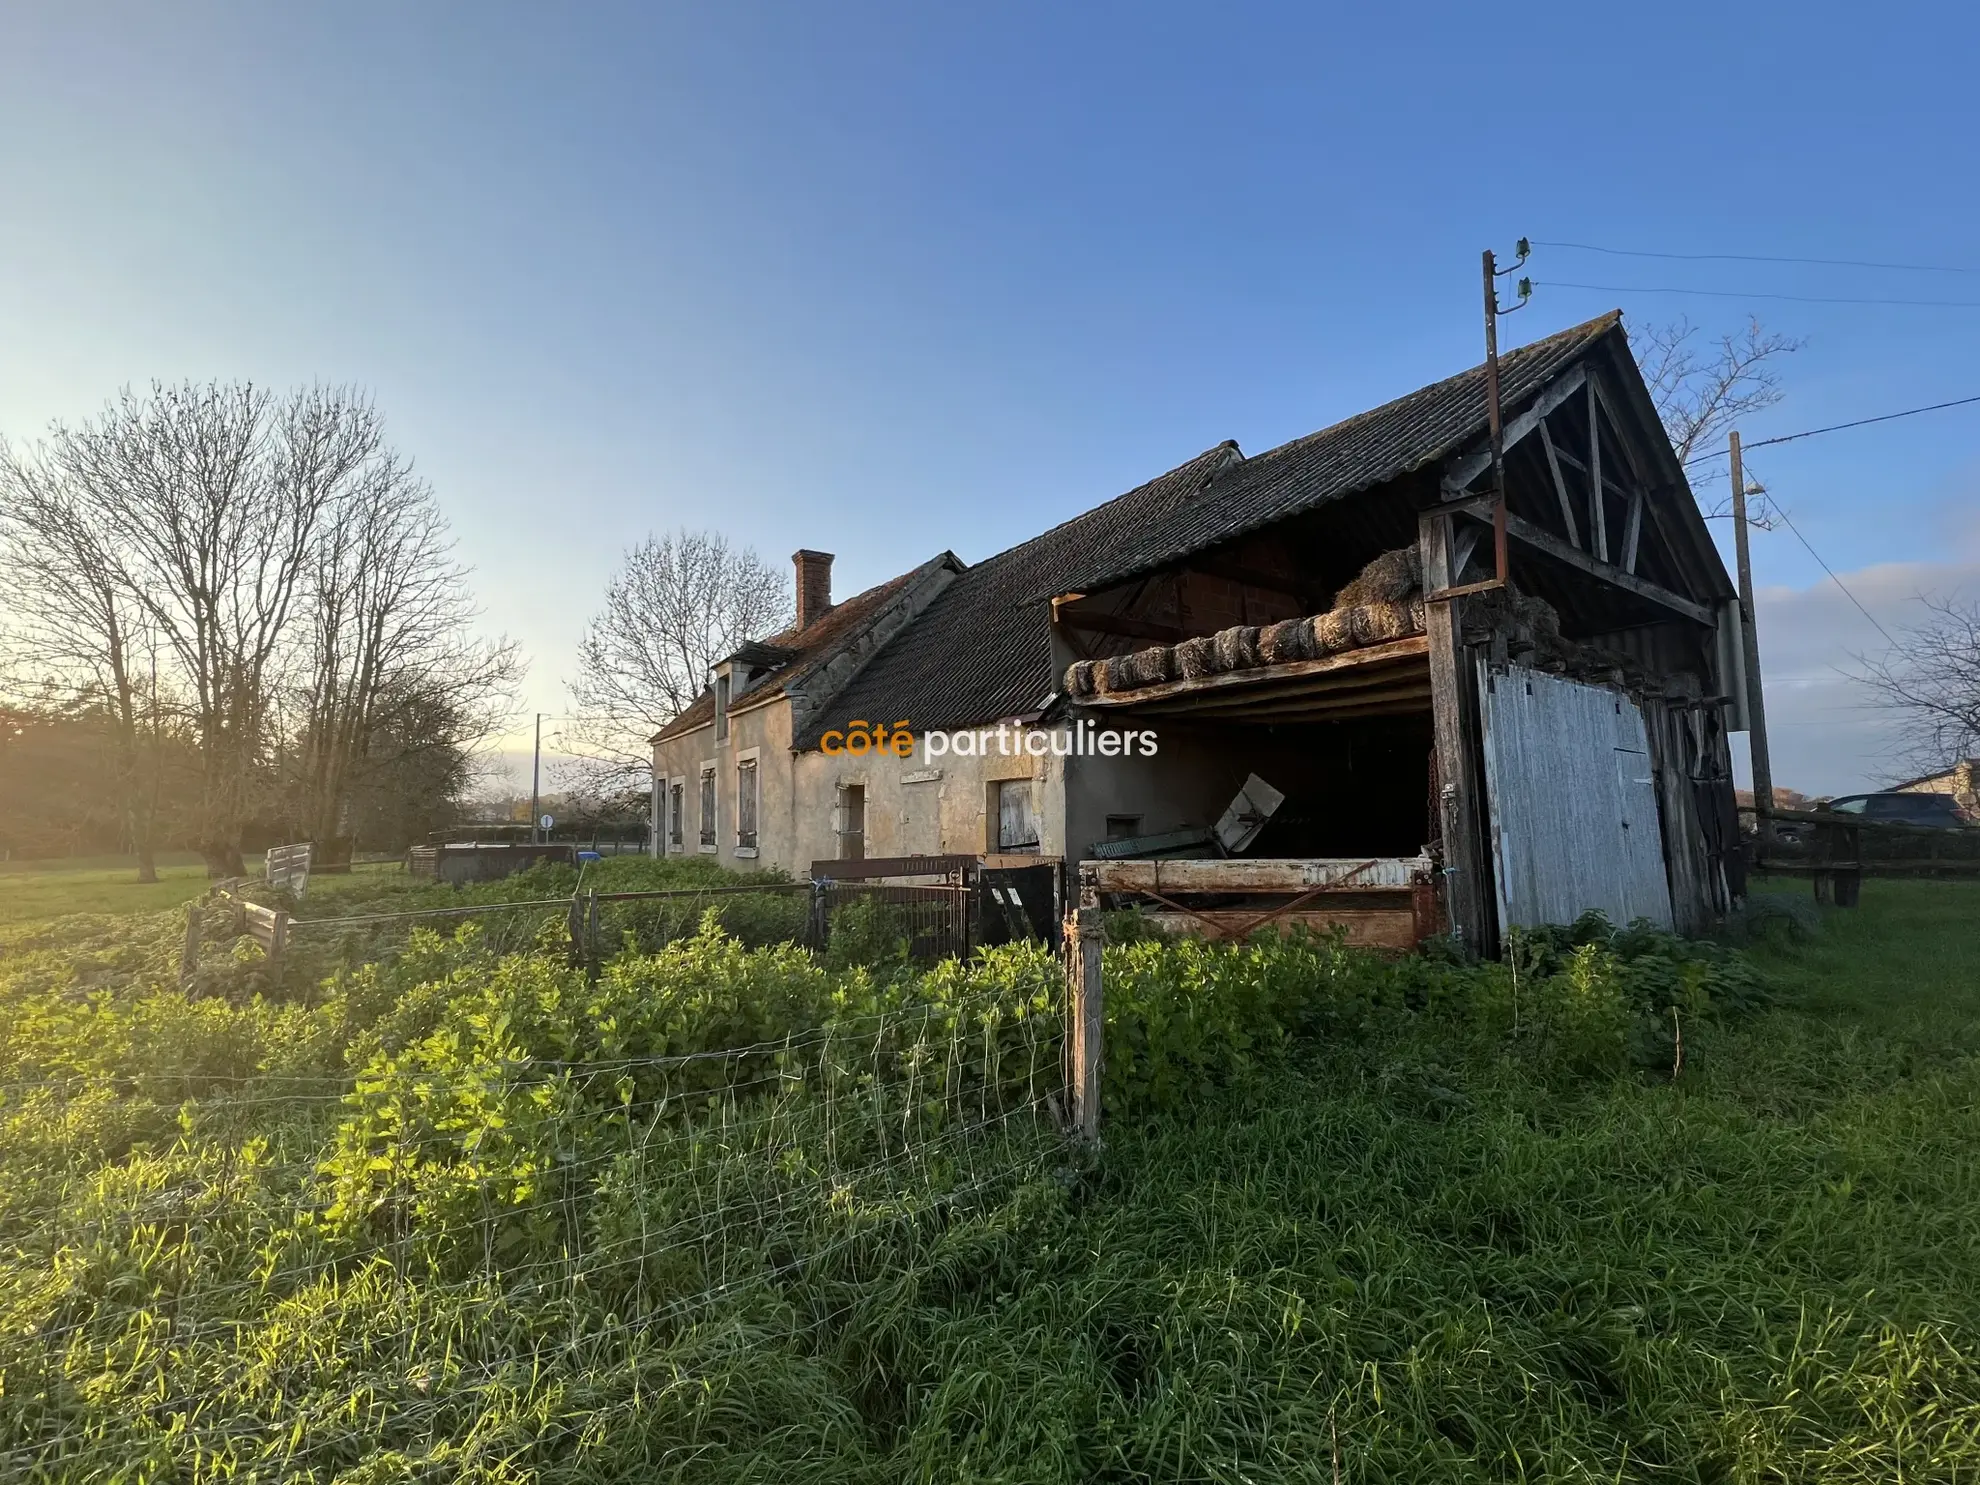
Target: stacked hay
{"x":1290,"y":640}
{"x":1196,"y":658}
{"x":1384,"y":602}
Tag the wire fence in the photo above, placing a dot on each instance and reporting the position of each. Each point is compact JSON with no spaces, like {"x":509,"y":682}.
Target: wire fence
{"x":498,"y":1254}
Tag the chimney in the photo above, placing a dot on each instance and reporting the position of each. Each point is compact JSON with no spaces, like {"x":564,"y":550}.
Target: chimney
{"x":814,"y":586}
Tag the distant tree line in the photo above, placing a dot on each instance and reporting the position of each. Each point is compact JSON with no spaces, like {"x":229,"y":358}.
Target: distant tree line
{"x":232,"y":614}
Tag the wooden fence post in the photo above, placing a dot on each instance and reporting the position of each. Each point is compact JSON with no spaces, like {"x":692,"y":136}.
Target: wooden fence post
{"x":189,"y":955}
{"x":1085,"y":1019}
{"x":278,"y":940}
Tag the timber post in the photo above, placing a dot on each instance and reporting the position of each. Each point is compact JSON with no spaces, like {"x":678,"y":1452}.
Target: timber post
{"x":1455,"y":721}
{"x":1085,"y":1020}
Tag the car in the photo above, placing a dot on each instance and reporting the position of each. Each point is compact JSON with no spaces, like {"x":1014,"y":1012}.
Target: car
{"x":1940,"y":810}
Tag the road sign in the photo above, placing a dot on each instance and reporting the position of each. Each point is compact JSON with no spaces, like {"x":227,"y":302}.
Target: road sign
{"x":547,"y":821}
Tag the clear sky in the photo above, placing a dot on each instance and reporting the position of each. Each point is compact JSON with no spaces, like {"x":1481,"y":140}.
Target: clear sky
{"x":885,"y":280}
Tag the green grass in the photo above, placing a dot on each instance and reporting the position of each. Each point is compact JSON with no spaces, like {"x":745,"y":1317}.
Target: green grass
{"x":32,"y":891}
{"x":1417,"y":1241}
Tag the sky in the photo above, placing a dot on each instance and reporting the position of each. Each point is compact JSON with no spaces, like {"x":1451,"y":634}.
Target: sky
{"x":888,"y":280}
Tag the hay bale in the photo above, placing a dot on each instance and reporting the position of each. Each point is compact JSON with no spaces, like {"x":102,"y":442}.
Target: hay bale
{"x":1382,"y":622}
{"x":1196,"y":658}
{"x":1237,"y":648}
{"x":1108,"y":674}
{"x":1333,"y":632}
{"x":1080,"y":679}
{"x":1390,"y":578}
{"x":1290,"y":639}
{"x":1149,"y":667}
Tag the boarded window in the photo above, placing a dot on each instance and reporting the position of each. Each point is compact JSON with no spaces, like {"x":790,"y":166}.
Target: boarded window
{"x":708,"y":806}
{"x":852,"y":822}
{"x":746,"y":805}
{"x":1121,"y":827}
{"x":676,"y":806}
{"x":721,"y":707}
{"x":1017,"y":816}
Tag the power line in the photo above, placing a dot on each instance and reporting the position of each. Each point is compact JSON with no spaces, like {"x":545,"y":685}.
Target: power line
{"x":1832,"y":574}
{"x":1555,"y":283}
{"x":1585,"y":247}
{"x":1909,"y":412}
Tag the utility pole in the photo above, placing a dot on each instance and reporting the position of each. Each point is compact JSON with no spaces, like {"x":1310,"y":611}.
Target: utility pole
{"x":1756,"y":706}
{"x":1494,"y":427}
{"x":535,"y":781}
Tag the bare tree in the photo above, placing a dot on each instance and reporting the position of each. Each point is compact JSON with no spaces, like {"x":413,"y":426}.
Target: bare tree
{"x":1702,"y":390}
{"x":263,"y":549}
{"x":83,"y":636}
{"x":391,"y":667}
{"x":678,"y":604}
{"x":1930,"y":677}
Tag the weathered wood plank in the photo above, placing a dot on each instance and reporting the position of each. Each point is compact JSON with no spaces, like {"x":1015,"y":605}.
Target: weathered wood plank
{"x":1543,"y":540}
{"x":1598,"y":503}
{"x":1632,"y":532}
{"x":1392,"y":928}
{"x":1454,"y":714}
{"x":1085,"y":1018}
{"x":1409,"y":647}
{"x":1265,"y":874}
{"x":1467,"y":468}
{"x":1560,"y":485}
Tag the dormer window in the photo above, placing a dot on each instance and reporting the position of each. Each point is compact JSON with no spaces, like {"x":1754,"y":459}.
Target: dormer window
{"x":722,"y":706}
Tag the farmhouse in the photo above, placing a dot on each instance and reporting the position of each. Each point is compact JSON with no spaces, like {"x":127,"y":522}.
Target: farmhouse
{"x":1373,"y":690}
{"x":1961,"y":781}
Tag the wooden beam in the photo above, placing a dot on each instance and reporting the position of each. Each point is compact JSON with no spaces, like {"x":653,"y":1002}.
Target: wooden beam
{"x":1454,"y":720}
{"x":1381,"y":701}
{"x":1632,"y":531}
{"x":1393,"y":929}
{"x":1545,"y":541}
{"x":1598,"y":505}
{"x":1466,"y":469}
{"x":1560,"y":484}
{"x":1409,"y":646}
{"x":1122,"y":625}
{"x":1260,"y":874}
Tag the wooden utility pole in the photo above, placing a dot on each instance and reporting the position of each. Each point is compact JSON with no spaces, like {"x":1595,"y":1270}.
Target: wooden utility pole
{"x":1494,"y":427}
{"x":1756,"y":707}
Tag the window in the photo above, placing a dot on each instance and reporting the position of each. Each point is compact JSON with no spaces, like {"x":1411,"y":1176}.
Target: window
{"x":707,"y":806}
{"x":1849,"y":806}
{"x":1123,"y":827}
{"x":746,"y":804}
{"x":1017,"y":816}
{"x":852,"y":822}
{"x":721,"y":707}
{"x":676,"y":811}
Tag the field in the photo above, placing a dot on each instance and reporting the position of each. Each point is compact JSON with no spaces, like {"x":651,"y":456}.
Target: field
{"x":1628,"y":1209}
{"x":34,"y":890}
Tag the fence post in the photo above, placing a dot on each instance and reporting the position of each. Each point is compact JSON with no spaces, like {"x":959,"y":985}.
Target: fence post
{"x":1085,"y":1020}
{"x":591,"y":935}
{"x":189,"y":955}
{"x":278,"y":940}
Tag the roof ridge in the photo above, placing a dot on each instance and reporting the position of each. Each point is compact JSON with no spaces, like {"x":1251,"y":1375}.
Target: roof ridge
{"x":1588,"y":329}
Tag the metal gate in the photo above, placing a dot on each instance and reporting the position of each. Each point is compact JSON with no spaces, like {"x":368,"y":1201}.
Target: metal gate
{"x":1573,"y":802}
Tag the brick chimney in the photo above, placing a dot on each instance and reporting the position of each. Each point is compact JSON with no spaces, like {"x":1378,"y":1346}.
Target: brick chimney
{"x":814,"y":586}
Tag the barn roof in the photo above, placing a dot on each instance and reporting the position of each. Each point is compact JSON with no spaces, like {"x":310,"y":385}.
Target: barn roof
{"x":982,"y":650}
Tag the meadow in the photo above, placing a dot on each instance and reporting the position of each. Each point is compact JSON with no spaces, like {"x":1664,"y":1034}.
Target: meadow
{"x":445,"y":1206}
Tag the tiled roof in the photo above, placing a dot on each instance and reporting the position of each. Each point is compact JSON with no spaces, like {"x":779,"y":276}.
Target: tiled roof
{"x":982,"y":650}
{"x":812,"y":646}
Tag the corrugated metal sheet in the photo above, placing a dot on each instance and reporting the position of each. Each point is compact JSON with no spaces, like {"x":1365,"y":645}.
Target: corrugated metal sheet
{"x":1573,"y":802}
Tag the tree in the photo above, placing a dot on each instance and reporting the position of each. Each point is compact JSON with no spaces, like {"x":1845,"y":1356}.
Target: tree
{"x":393,"y":680}
{"x":1930,"y":677}
{"x":91,"y":642}
{"x":275,"y":562}
{"x":678,"y":604}
{"x":1702,"y":391}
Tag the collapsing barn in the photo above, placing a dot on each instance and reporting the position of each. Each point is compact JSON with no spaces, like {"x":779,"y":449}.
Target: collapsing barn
{"x":1359,"y":722}
{"x":1528,"y":750}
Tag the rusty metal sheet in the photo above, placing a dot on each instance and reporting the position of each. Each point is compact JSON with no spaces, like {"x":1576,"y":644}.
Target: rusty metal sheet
{"x":1573,"y":802}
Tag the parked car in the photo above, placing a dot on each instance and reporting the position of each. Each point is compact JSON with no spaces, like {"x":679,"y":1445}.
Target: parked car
{"x":1901,"y":809}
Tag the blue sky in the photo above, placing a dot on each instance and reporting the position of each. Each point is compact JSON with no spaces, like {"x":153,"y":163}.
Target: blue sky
{"x":889,"y":280}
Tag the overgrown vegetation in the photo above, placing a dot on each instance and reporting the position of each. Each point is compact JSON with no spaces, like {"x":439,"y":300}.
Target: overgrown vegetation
{"x":734,"y":1212}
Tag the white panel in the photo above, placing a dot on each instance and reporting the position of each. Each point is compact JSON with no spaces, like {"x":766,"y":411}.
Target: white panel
{"x":1572,"y":800}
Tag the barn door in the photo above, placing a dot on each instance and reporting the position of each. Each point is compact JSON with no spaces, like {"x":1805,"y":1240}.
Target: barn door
{"x":1573,"y":802}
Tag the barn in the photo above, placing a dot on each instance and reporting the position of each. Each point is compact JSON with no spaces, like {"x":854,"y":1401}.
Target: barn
{"x":1357,"y":688}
